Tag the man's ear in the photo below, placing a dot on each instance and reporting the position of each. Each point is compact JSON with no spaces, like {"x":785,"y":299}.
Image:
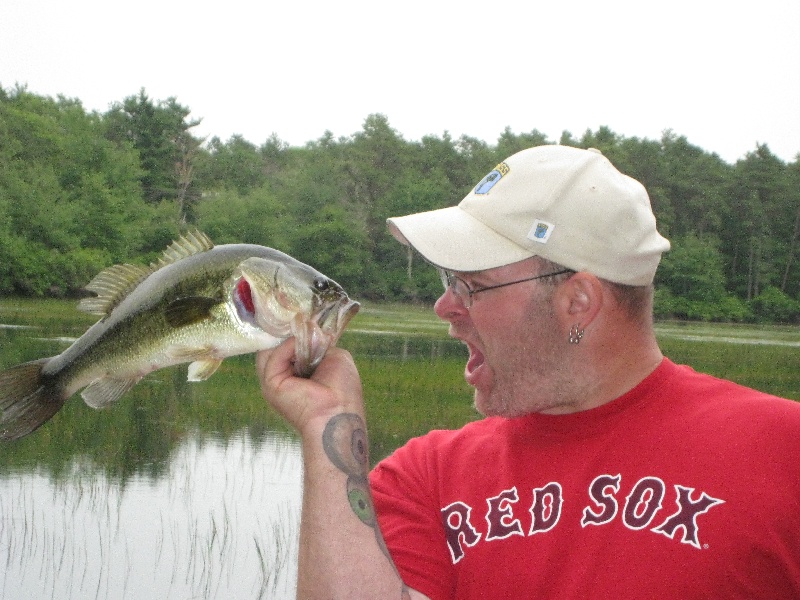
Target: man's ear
{"x":580,"y":298}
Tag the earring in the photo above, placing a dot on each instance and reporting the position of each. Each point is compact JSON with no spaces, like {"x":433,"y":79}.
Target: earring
{"x":575,"y":334}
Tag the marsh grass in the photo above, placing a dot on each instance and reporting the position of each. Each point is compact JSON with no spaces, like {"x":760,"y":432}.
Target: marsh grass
{"x":398,"y":319}
{"x":405,"y":399}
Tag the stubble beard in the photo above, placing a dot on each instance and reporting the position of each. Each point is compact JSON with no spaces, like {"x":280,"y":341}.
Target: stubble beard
{"x":534,"y":376}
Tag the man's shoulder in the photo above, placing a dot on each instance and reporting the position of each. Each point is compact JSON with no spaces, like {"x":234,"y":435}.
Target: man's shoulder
{"x":709,"y":387}
{"x":445,"y":446}
{"x":721,"y":407}
{"x":472,"y":433}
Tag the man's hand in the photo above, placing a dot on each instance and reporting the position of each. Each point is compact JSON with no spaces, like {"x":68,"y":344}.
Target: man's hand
{"x":334,"y":387}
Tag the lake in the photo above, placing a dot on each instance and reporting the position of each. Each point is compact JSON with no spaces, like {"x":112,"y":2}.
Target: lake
{"x":192,"y":491}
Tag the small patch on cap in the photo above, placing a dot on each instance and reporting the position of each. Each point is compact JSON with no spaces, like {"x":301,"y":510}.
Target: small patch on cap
{"x":541,"y":231}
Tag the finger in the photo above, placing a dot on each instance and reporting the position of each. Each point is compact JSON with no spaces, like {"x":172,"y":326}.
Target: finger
{"x":332,"y":365}
{"x":275,"y":365}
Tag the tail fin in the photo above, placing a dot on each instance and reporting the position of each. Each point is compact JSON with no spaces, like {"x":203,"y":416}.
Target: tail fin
{"x":26,"y":399}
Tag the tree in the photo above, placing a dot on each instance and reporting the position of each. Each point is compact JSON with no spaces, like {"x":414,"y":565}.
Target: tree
{"x":790,"y":282}
{"x":81,"y":190}
{"x":159,"y":131}
{"x":235,"y":164}
{"x":773,"y":306}
{"x":691,"y":282}
{"x":68,"y":196}
{"x":257,"y":217}
{"x":337,"y":245}
{"x":695,"y":183}
{"x":604,"y":140}
{"x":759,"y":223}
{"x":510,"y":143}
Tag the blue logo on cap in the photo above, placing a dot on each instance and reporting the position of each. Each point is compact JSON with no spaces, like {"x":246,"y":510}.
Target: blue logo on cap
{"x":488,"y":182}
{"x":540,"y":231}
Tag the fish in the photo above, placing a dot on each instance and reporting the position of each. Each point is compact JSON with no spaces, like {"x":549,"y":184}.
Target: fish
{"x":198,"y":304}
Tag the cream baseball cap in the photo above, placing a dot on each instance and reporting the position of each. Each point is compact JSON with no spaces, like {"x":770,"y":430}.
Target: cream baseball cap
{"x":568,"y":205}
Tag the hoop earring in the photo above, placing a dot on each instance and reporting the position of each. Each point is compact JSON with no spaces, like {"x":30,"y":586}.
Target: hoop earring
{"x":575,"y":334}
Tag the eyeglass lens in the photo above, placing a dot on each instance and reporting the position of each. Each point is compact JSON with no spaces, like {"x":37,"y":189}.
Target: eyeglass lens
{"x":460,"y":288}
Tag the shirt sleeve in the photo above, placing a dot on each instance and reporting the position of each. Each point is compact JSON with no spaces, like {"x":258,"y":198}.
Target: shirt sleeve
{"x":405,"y":493}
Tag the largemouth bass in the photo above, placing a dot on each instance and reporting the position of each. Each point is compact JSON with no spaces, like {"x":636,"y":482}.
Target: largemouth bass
{"x":199,"y":304}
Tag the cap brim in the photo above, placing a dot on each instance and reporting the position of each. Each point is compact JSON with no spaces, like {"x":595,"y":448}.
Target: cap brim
{"x":451,"y":239}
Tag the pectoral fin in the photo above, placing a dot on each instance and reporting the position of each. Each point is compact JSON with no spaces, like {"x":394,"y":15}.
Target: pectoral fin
{"x":186,"y":311}
{"x":200,"y":370}
{"x":204,"y":361}
{"x":184,"y":354}
{"x":103,"y":392}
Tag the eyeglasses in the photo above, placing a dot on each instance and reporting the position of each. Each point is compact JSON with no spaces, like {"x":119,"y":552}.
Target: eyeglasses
{"x":465,"y":293}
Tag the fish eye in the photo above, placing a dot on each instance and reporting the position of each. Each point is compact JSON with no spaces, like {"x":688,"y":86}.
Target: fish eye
{"x":321,"y":284}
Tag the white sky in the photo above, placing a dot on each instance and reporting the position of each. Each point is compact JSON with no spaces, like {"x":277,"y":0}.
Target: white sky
{"x":724,"y":74}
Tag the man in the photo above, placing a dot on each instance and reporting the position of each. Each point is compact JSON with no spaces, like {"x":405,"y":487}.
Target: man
{"x":601,"y":470}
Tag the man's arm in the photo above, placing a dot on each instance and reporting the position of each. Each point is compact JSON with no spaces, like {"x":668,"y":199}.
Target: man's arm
{"x":342,"y":553}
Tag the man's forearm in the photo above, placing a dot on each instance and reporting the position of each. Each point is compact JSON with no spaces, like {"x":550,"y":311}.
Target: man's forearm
{"x":342,"y":553}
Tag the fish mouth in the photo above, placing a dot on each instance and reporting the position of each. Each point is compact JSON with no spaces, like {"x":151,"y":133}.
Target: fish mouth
{"x":316,"y":335}
{"x":286,"y":299}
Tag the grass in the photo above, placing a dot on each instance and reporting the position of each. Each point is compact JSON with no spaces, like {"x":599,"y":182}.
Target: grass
{"x":397,"y":319}
{"x":764,"y":357}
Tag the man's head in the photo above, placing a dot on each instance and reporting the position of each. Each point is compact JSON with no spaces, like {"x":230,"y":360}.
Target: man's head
{"x":503,"y":252}
{"x":567,"y":205}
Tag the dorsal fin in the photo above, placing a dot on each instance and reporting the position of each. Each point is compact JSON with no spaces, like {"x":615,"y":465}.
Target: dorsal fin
{"x":112,"y":285}
{"x":193,"y":242}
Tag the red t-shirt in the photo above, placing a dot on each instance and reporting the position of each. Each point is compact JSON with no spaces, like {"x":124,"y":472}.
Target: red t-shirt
{"x":686,"y":487}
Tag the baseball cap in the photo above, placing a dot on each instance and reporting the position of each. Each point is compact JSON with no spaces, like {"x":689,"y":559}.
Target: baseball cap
{"x":567,"y":205}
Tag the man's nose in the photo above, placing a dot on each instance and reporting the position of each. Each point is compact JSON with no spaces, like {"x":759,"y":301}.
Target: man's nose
{"x":449,"y":305}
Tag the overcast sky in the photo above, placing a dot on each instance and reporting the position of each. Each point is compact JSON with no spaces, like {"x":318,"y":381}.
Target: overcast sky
{"x":723,"y":74}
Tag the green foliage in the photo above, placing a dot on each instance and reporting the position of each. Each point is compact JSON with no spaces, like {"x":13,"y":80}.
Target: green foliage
{"x":257,"y":217}
{"x":157,"y":131}
{"x":335,"y":244}
{"x":79,"y":191}
{"x":236,"y":163}
{"x":70,"y":200}
{"x":773,"y":306}
{"x":693,"y":269}
{"x":725,"y":308}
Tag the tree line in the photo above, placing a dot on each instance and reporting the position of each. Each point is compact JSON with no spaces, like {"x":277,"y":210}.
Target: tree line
{"x":82,"y":190}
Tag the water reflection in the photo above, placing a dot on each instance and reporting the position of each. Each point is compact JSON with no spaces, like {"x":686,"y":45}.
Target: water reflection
{"x":221,"y":522}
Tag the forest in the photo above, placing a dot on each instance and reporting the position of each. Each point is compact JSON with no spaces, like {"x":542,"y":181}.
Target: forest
{"x":81,"y":190}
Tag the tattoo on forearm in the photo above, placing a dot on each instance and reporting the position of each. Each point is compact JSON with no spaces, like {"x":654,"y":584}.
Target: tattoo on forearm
{"x":345,"y":443}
